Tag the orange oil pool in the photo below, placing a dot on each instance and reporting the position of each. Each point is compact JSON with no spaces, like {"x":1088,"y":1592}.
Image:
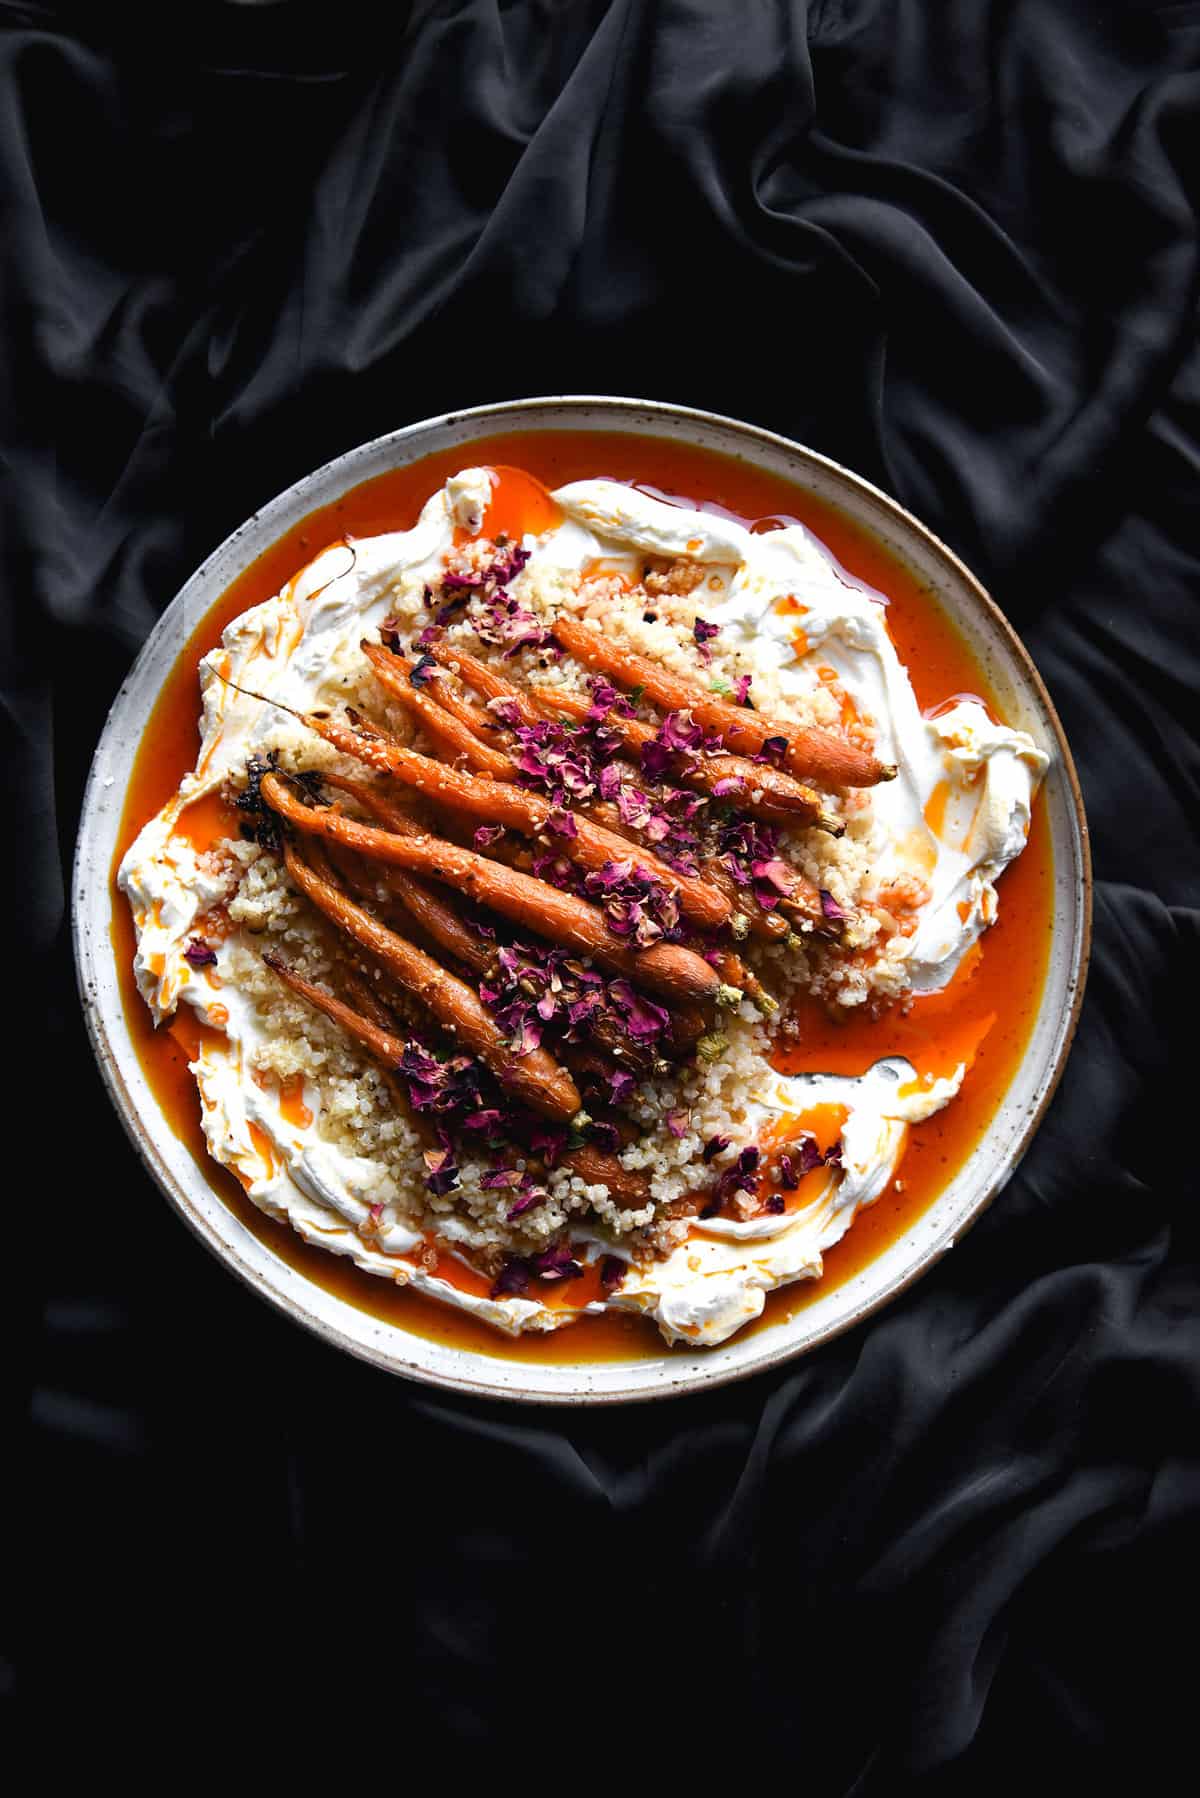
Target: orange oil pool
{"x":987,"y":1012}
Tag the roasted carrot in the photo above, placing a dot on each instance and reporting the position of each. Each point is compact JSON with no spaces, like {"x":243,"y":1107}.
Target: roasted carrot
{"x":372,"y":1008}
{"x":477,"y":719}
{"x":367,"y":1000}
{"x":665,"y":969}
{"x":499,"y":803}
{"x":629,"y":1190}
{"x":440,"y":922}
{"x":392,"y":672}
{"x":750,"y":918}
{"x":373,"y":800}
{"x":734,"y":972}
{"x":382,"y":1044}
{"x":773,"y":795}
{"x":804,"y":907}
{"x":486,"y":681}
{"x":535,"y":1078}
{"x":811,"y":754}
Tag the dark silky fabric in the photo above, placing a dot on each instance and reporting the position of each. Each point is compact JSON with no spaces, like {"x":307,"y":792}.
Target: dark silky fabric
{"x":955,"y":247}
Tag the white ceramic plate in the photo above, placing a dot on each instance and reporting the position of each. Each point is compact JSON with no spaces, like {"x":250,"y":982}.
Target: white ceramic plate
{"x":1023,"y":701}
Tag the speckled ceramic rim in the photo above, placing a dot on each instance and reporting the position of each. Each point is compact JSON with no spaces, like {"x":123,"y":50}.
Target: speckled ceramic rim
{"x":1019,"y":690}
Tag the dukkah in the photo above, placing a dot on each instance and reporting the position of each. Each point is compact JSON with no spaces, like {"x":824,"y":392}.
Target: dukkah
{"x":532,"y":847}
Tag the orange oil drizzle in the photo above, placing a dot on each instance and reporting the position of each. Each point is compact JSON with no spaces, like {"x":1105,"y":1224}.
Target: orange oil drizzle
{"x":206,"y":821}
{"x":935,"y":807}
{"x":993,"y":1003}
{"x":823,"y":1122}
{"x":520,"y":503}
{"x":292,"y":1108}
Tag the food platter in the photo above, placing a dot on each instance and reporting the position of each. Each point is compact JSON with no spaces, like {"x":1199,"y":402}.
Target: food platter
{"x":1022,"y":701}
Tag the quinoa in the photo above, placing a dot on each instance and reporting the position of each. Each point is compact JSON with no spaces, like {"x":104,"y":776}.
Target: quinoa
{"x":357,"y":1109}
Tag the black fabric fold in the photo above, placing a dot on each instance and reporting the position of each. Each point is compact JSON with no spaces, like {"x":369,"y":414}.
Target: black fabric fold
{"x":955,"y":248}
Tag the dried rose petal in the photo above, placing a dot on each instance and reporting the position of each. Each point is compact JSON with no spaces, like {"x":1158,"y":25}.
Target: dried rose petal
{"x":612,"y":1272}
{"x":548,"y":1142}
{"x":643,"y":1019}
{"x":776,"y":873}
{"x":605,"y":1136}
{"x":443,"y":1175}
{"x":611,"y":874}
{"x":557,"y":1263}
{"x":514,"y":1278}
{"x":501,"y":1179}
{"x":532,"y":1196}
{"x":829,"y":905}
{"x":805,"y":1157}
{"x":199,"y":954}
{"x":488,"y":1119}
{"x":621,"y":1085}
{"x":741,"y":1177}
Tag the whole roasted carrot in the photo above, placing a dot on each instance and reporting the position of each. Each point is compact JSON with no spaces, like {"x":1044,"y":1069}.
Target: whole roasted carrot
{"x":535,"y":1078}
{"x":666,"y":969}
{"x":439,"y":920}
{"x":774,"y":796}
{"x":811,"y":754}
{"x":499,"y":803}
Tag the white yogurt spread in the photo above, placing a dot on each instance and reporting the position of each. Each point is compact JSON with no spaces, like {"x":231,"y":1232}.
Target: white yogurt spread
{"x":956,"y":815}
